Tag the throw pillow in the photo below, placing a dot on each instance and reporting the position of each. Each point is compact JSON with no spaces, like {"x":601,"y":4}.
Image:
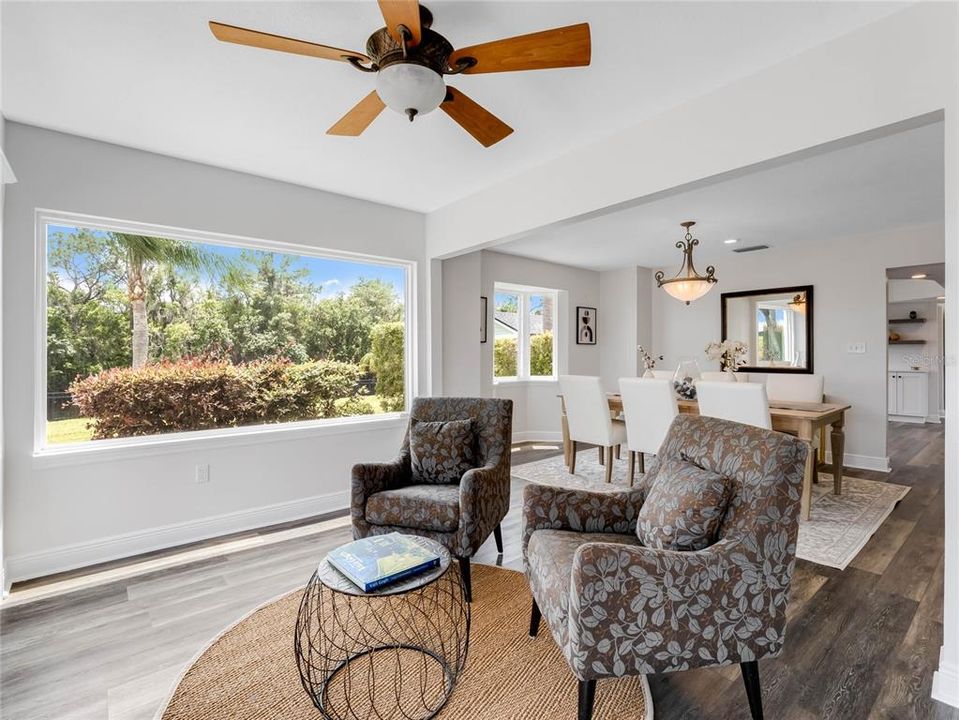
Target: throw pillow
{"x":684,"y":507}
{"x":440,"y":452}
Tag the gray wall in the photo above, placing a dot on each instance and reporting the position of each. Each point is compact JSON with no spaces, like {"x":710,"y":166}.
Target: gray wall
{"x":68,"y":512}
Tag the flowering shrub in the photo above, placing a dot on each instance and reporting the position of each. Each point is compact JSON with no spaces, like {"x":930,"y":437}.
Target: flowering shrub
{"x":208,"y":394}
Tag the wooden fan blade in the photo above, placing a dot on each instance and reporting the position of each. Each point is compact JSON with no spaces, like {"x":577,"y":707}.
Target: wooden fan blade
{"x":402,"y":12}
{"x":557,"y":48}
{"x":360,"y":117}
{"x":255,"y":38}
{"x":474,"y":119}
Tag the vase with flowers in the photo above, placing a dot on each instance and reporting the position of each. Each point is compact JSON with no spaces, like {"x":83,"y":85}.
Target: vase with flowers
{"x":730,"y":353}
{"x":649,"y":361}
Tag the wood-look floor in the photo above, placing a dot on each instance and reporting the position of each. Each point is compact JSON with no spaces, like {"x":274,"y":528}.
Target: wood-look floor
{"x":862,"y":643}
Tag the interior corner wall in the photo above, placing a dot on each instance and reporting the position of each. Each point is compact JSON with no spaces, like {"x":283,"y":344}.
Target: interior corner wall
{"x":536,"y":407}
{"x":461,"y":318}
{"x":619,"y":298}
{"x":848,"y":276}
{"x":58,"y":516}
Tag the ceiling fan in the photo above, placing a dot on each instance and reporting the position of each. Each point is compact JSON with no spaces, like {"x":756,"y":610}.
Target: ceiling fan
{"x":410,"y":60}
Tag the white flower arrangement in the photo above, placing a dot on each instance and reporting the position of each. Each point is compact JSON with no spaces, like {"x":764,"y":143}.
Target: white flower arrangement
{"x":730,"y":353}
{"x":649,"y":362}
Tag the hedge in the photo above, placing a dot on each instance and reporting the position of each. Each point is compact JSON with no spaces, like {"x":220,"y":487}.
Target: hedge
{"x":204,"y":395}
{"x":540,"y":360}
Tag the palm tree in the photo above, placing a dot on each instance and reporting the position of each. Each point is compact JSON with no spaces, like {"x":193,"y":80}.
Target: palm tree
{"x":138,"y":253}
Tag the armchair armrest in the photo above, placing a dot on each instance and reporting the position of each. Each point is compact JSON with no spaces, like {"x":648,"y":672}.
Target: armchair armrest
{"x":640,"y":610}
{"x":484,"y":502}
{"x":552,"y":508}
{"x":370,"y":478}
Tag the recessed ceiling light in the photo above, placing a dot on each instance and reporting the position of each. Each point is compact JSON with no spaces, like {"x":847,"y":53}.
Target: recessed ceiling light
{"x":919,"y":276}
{"x":731,"y":241}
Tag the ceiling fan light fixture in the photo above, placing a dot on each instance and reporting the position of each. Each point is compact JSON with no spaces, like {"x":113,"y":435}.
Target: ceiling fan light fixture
{"x":410,"y":88}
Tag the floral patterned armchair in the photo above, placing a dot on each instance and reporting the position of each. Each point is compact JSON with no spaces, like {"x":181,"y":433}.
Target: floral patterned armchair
{"x":618,"y":608}
{"x":461,"y":515}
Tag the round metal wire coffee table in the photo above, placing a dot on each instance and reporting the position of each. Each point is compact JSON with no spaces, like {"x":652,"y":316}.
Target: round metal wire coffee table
{"x":393,"y":653}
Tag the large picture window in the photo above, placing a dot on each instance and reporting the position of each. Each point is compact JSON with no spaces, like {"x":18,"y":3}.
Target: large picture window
{"x":525,"y":339}
{"x":147,"y":334}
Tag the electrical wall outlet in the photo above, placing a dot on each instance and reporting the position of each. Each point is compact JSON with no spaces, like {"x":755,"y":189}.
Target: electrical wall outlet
{"x":856,"y":348}
{"x":203,"y":473}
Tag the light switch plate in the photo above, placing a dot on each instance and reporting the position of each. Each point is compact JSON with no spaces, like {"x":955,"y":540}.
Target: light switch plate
{"x":203,"y":473}
{"x":856,"y":348}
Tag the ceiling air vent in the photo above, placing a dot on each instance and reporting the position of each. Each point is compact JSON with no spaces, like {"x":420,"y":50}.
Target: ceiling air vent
{"x":751,"y":248}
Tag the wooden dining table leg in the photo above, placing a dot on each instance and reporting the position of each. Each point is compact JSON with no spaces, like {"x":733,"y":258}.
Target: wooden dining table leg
{"x":838,"y":437}
{"x":566,"y":444}
{"x":806,"y":431}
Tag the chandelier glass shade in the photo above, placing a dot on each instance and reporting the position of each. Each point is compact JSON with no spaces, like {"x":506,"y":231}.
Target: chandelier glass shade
{"x":687,"y":285}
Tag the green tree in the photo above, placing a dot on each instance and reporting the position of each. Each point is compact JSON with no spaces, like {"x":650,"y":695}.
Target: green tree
{"x":142,"y":253}
{"x":387,"y":363}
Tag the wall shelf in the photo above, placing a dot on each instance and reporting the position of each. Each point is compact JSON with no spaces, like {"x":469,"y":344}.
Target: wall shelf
{"x":893,"y":321}
{"x":907,"y":342}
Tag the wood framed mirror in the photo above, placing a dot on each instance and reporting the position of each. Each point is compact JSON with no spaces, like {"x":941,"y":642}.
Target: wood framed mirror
{"x":775,"y":323}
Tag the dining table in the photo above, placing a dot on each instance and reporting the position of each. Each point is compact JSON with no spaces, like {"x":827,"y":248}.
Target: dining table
{"x":805,"y":420}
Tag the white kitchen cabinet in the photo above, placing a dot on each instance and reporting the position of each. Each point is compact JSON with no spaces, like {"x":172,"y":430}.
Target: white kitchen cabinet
{"x":908,"y":395}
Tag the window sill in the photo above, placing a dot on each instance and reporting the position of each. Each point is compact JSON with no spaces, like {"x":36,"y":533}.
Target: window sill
{"x":525,"y":381}
{"x":95,"y":451}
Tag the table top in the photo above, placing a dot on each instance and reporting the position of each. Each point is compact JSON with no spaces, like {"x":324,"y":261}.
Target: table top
{"x":338,"y":582}
{"x":799,"y":410}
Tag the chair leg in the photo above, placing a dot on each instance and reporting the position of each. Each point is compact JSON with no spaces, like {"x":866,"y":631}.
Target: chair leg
{"x":534,"y":617}
{"x":498,"y":537}
{"x":631,"y":459}
{"x":601,"y":458}
{"x":572,"y":457}
{"x":642,"y":464}
{"x":467,"y":582}
{"x":609,"y":464}
{"x":587,"y":693}
{"x":618,"y":452}
{"x":754,"y":690}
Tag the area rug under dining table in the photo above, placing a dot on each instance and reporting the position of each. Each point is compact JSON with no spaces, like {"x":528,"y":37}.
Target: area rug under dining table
{"x":838,"y":528}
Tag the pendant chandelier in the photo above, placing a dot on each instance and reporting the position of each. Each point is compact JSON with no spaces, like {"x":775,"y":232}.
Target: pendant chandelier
{"x":688,"y":285}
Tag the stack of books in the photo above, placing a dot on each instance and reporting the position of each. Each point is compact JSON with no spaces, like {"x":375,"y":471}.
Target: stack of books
{"x":379,"y":560}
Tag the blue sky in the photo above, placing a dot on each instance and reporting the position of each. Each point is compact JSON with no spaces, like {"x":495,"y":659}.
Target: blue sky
{"x":335,"y":276}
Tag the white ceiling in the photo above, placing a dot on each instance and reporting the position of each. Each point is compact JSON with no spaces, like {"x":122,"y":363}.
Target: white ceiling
{"x":150,"y":75}
{"x":894,"y":181}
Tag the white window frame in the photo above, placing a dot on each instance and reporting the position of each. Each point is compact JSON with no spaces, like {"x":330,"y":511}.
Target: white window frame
{"x":136,"y":446}
{"x":523,"y":293}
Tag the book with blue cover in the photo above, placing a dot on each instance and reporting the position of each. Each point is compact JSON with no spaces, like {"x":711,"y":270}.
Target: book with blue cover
{"x":378,"y":560}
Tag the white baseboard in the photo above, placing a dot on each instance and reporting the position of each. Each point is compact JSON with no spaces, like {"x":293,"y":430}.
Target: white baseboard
{"x":934,"y":419}
{"x":92,"y":552}
{"x":549,"y":436}
{"x":945,"y":683}
{"x":907,"y":419}
{"x":862,"y":462}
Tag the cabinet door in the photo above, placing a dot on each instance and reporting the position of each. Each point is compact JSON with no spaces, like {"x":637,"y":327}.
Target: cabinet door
{"x":893,"y":393}
{"x":913,"y":394}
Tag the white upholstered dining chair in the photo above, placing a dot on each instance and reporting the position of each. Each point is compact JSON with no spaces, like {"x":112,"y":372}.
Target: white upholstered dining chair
{"x":650,"y":406}
{"x":740,"y":402}
{"x":713,"y":376}
{"x":789,"y":387}
{"x":663,"y":374}
{"x":587,"y":415}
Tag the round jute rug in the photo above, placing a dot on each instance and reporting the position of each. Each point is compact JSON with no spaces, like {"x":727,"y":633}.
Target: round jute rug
{"x":249,"y":671}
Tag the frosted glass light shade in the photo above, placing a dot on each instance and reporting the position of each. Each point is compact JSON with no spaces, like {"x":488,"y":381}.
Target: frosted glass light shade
{"x":688,"y":290}
{"x":408,"y":86}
